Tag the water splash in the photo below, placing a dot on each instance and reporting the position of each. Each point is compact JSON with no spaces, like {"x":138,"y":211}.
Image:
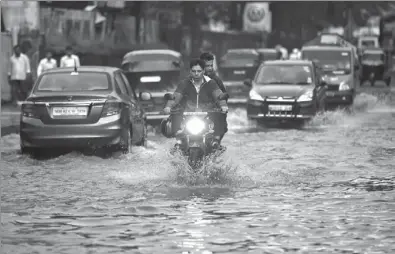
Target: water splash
{"x":353,"y":116}
{"x":238,"y":121}
{"x":214,"y":170}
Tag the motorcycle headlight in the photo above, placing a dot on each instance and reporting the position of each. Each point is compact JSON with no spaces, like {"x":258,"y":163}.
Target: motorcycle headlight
{"x":195,"y":126}
{"x":344,"y":86}
{"x":255,"y":96}
{"x":308,"y":96}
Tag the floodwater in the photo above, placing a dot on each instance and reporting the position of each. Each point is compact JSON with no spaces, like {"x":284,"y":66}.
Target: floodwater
{"x":326,"y":188}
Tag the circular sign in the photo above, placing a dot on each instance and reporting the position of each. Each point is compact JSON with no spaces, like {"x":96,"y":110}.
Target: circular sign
{"x":255,"y":13}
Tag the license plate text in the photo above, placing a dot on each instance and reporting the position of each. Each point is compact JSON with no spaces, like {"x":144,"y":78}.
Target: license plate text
{"x":280,"y":107}
{"x":70,"y":111}
{"x":239,"y":72}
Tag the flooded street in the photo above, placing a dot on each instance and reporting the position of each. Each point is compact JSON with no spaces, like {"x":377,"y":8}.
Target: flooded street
{"x":327,"y":188}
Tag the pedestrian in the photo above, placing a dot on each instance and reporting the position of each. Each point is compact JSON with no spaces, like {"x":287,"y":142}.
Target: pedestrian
{"x":18,"y":75}
{"x":47,"y":63}
{"x":69,"y":60}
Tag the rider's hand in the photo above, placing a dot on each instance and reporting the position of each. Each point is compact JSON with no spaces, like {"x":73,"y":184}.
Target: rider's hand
{"x":166,"y":110}
{"x":224,"y":109}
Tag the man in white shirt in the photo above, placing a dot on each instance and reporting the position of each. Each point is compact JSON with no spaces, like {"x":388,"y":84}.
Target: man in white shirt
{"x":47,"y":63}
{"x":69,"y":60}
{"x":19,"y":72}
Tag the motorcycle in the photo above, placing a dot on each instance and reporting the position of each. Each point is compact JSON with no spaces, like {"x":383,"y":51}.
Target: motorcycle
{"x":195,"y":139}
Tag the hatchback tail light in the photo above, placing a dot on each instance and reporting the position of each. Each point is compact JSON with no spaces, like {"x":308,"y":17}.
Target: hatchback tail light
{"x":29,"y":109}
{"x":111,"y":108}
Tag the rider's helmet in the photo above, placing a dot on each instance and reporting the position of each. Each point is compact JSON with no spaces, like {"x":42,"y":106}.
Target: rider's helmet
{"x":165,"y":128}
{"x":295,"y":51}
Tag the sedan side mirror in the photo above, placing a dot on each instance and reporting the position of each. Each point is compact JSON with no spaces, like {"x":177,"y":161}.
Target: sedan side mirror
{"x":248,"y":82}
{"x":144,"y":96}
{"x":168,"y":97}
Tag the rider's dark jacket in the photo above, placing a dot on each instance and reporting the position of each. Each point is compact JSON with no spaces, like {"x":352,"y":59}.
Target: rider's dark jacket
{"x":188,"y":98}
{"x":219,"y":81}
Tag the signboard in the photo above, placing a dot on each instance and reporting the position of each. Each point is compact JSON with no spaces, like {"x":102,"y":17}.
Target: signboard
{"x":20,"y":14}
{"x":257,"y":17}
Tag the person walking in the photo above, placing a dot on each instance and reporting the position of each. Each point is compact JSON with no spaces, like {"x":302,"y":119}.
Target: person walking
{"x":19,"y":72}
{"x":47,"y":63}
{"x":69,"y":60}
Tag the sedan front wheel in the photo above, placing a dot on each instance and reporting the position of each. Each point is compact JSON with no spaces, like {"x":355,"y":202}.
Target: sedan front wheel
{"x":126,"y":142}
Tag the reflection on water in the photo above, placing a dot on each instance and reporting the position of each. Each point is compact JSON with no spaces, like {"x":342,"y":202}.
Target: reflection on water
{"x":328,"y":187}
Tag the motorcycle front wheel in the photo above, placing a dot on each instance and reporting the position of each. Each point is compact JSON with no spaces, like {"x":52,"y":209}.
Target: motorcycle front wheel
{"x":195,"y":157}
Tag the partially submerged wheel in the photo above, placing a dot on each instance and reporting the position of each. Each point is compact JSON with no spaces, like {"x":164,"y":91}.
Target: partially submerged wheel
{"x":388,"y":81}
{"x":126,"y":143}
{"x":27,"y":150}
{"x":195,"y":157}
{"x":143,"y":142}
{"x":33,"y":152}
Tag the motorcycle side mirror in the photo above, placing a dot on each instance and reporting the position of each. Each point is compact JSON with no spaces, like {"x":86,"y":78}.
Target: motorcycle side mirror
{"x":168,"y":96}
{"x":223,"y":96}
{"x":248,"y":82}
{"x":177,"y":64}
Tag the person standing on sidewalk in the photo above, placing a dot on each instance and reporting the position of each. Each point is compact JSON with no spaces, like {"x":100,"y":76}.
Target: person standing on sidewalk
{"x":18,"y":75}
{"x":47,"y":63}
{"x":69,"y":60}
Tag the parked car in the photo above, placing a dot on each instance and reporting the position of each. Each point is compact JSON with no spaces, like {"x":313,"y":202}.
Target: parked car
{"x":286,"y":90}
{"x":92,"y":106}
{"x":155,"y":71}
{"x":236,"y":66}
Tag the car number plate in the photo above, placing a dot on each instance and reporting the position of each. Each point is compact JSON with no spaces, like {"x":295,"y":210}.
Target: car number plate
{"x":239,"y":72}
{"x":280,"y":107}
{"x":70,"y":111}
{"x":194,"y":144}
{"x":330,"y":94}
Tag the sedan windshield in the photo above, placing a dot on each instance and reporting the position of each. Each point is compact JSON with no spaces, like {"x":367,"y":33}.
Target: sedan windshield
{"x":330,"y":60}
{"x":285,"y":74}
{"x":66,"y":81}
{"x":151,"y":65}
{"x":372,"y":57}
{"x":368,"y":43}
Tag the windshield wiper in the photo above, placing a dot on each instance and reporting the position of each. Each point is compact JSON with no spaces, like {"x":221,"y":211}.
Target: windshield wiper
{"x":279,"y":82}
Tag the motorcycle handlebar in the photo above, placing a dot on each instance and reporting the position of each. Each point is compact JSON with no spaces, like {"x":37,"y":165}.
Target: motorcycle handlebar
{"x":203,"y":112}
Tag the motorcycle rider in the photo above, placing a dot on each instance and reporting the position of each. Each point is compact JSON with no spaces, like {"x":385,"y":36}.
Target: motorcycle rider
{"x":208,"y":59}
{"x":197,"y":90}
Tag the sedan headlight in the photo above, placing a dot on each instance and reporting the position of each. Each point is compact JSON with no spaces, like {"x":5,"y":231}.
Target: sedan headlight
{"x":344,"y":86}
{"x":255,"y":96}
{"x":308,"y":96}
{"x":195,"y":126}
